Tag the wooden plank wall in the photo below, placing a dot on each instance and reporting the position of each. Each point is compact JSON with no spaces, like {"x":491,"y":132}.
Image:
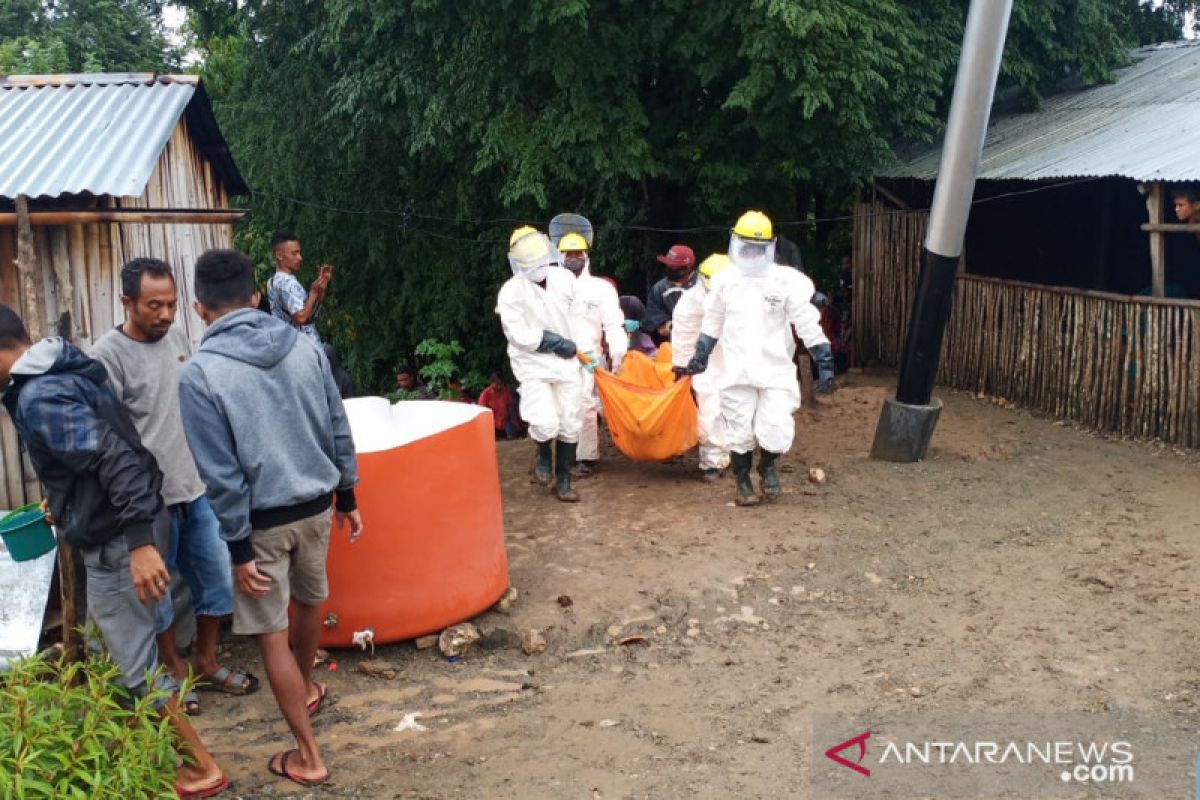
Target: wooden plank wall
{"x":182,"y":179}
{"x":1123,"y":365}
{"x":95,"y":253}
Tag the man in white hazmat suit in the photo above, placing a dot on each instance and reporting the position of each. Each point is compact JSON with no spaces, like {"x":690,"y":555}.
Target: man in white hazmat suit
{"x":685,"y":330}
{"x":597,"y":319}
{"x":749,"y":312}
{"x":535,"y":308}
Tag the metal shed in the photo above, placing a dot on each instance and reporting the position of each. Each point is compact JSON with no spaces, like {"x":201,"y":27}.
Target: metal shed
{"x":103,"y":168}
{"x":1075,"y":295}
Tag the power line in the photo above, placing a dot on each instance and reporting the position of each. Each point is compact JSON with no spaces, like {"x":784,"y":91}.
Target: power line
{"x":410,"y":214}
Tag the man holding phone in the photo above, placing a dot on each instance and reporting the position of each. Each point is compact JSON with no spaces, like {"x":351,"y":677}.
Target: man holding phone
{"x":289,"y":302}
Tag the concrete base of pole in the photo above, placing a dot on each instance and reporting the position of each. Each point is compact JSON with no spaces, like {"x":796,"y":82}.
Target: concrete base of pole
{"x":904,"y":431}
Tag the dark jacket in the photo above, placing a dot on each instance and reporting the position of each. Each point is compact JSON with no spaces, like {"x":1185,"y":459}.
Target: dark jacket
{"x":101,"y":482}
{"x":660,"y":304}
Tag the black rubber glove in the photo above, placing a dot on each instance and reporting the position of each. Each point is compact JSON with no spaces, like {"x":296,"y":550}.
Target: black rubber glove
{"x":822,"y":354}
{"x":553,"y":343}
{"x":704,"y":348}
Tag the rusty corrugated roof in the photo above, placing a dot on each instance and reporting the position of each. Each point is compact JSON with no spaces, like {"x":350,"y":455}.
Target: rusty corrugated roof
{"x":96,"y":133}
{"x":1143,"y":126}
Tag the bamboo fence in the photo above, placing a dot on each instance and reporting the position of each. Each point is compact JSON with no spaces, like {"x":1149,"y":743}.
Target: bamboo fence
{"x":1129,"y":365}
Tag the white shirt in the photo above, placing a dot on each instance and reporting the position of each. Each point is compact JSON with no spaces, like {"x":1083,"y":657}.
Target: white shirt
{"x":752,"y":318}
{"x":597,"y":311}
{"x":526,"y":311}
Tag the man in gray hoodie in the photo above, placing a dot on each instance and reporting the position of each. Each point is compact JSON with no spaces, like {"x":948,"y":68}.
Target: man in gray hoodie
{"x":273,"y":495}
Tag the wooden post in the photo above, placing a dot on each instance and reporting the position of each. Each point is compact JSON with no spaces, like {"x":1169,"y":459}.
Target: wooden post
{"x":1158,"y":240}
{"x":69,"y":563}
{"x":28,"y":274}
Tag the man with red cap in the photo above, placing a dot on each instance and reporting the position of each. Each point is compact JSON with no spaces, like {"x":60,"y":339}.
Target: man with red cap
{"x":680,"y":266}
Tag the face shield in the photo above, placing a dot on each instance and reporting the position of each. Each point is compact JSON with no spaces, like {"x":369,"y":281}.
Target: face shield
{"x":530,"y":256}
{"x":751,"y":257}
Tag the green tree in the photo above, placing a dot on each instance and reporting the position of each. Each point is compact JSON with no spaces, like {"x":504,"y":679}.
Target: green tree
{"x":40,"y":36}
{"x":405,"y":140}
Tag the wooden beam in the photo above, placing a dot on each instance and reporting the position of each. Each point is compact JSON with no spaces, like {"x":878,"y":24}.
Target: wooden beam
{"x":892,"y":198}
{"x":1158,"y":242}
{"x":1171,"y":227}
{"x":1139,"y":299}
{"x":144,"y":216}
{"x":28,"y":275}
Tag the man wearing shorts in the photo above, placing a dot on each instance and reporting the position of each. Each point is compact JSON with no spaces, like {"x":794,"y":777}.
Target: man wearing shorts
{"x":273,"y":495}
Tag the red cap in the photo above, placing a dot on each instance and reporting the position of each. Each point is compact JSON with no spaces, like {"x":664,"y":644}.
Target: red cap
{"x":680,"y":255}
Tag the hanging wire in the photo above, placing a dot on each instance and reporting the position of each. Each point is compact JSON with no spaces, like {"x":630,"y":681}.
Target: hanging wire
{"x":409,"y":213}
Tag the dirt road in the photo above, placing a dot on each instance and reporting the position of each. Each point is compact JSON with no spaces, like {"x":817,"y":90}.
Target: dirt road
{"x":1025,"y":565}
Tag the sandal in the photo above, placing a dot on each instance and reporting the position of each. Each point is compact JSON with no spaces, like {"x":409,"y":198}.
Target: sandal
{"x":189,"y":703}
{"x":235,"y":682}
{"x":283,"y":772}
{"x":315,"y":705}
{"x":209,"y":791}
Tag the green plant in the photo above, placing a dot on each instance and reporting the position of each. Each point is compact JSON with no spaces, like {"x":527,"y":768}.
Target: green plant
{"x":442,"y":366}
{"x":70,"y":731}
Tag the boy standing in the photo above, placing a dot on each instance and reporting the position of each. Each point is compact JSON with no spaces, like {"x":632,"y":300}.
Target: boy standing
{"x":272,"y":494}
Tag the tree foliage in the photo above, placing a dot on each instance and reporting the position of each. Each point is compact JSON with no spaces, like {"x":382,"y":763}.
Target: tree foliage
{"x":40,"y":36}
{"x":404,"y":140}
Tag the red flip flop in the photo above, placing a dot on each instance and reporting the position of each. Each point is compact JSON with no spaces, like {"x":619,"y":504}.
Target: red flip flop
{"x":210,"y":791}
{"x":315,"y":705}
{"x":283,"y":772}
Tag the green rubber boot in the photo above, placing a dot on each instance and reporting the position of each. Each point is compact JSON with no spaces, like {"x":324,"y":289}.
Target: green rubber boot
{"x":771,"y":486}
{"x":543,"y":468}
{"x":740,"y":464}
{"x":564,"y":459}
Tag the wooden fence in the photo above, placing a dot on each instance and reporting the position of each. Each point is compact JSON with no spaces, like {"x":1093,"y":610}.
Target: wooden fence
{"x":1111,"y":362}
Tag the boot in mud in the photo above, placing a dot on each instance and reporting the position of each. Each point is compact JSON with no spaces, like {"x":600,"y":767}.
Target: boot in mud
{"x":563,"y":461}
{"x":543,"y":467}
{"x":740,"y":464}
{"x":771,"y":486}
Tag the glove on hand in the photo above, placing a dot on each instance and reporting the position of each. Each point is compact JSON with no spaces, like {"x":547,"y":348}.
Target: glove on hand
{"x":704,"y":348}
{"x":553,"y":343}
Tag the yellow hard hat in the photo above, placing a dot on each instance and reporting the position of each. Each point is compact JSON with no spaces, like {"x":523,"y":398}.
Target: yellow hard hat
{"x":519,"y":232}
{"x":754,"y":226}
{"x":572,"y":242}
{"x":713,"y":264}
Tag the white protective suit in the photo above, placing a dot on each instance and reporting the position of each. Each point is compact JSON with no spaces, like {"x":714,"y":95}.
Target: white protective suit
{"x":685,"y":329}
{"x":549,"y":385}
{"x":597,"y":312}
{"x":750,"y":314}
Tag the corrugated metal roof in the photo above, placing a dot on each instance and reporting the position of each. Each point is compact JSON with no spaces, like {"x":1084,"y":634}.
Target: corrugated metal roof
{"x":97,"y":133}
{"x":1142,"y":126}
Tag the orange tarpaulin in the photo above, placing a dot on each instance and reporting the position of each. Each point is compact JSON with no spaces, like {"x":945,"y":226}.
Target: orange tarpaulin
{"x":652,"y":417}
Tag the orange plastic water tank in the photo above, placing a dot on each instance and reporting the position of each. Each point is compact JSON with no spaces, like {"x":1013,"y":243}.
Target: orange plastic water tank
{"x":432,"y":551}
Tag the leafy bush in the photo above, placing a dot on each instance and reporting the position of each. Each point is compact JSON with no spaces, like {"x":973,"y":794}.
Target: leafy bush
{"x":70,"y":731}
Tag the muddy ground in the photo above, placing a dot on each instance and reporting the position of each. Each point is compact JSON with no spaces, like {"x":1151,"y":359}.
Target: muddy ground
{"x":1025,"y":565}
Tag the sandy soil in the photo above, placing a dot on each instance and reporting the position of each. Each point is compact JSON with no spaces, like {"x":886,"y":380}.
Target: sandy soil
{"x":1025,"y":565}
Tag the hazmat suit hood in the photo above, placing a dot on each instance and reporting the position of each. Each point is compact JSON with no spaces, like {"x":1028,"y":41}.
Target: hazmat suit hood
{"x":751,"y":258}
{"x":530,"y":256}
{"x":250,"y":336}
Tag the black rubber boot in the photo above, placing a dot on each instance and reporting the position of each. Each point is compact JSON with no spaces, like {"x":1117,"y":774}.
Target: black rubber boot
{"x":564,"y":459}
{"x":771,"y":486}
{"x":543,"y":468}
{"x":740,"y":464}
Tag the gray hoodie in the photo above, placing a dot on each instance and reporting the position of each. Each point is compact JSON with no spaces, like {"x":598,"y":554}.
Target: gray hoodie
{"x":266,"y":425}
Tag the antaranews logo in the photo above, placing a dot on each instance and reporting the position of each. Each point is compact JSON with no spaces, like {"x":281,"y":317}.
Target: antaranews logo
{"x":861,"y":741}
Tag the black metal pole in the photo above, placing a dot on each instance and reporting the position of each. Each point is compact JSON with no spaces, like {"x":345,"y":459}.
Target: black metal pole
{"x":907,"y":422}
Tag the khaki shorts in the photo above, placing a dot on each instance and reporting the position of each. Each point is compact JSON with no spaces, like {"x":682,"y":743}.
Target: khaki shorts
{"x":293,"y":557}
